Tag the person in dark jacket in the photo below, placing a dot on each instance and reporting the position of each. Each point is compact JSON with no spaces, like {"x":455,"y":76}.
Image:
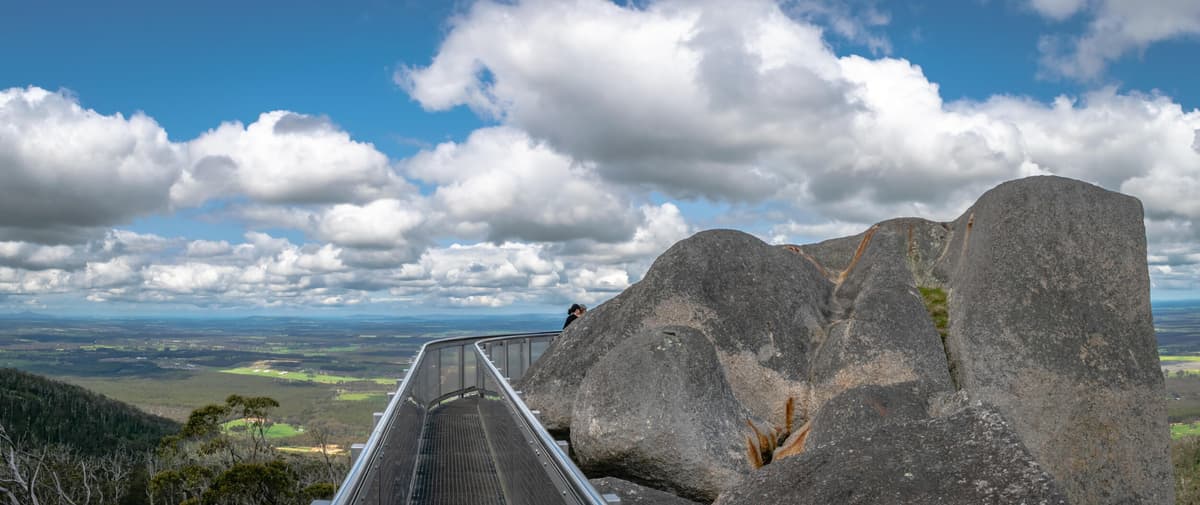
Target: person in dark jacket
{"x":573,"y":313}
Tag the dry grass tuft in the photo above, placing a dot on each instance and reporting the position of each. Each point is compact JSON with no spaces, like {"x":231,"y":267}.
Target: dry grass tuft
{"x":778,"y":442}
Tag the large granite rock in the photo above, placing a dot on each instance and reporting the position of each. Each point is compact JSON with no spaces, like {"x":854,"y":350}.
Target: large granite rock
{"x":1050,"y":322}
{"x":880,"y":333}
{"x":867,"y":408}
{"x":635,"y":494}
{"x":657,"y":409}
{"x":1049,"y":325}
{"x":923,"y":244}
{"x":967,"y":458}
{"x":762,"y":307}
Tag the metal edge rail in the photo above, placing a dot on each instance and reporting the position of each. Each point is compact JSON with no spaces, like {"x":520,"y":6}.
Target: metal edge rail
{"x":583,"y":489}
{"x":351,"y":485}
{"x":353,"y":481}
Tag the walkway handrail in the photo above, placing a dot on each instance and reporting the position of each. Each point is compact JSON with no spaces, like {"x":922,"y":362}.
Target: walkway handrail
{"x":575,"y":478}
{"x":353,"y":481}
{"x":385,"y":450}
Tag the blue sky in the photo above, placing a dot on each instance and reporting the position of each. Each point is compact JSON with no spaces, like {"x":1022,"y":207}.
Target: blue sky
{"x":416,"y":157}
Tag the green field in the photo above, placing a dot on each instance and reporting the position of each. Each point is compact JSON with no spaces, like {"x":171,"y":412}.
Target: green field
{"x":1180,"y":430}
{"x":300,"y":403}
{"x":358,"y":397}
{"x":304,"y":375}
{"x":277,"y":430}
{"x":1178,"y":358}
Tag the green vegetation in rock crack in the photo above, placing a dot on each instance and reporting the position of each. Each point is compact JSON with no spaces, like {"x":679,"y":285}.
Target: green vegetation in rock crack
{"x":778,"y":442}
{"x":938,"y":308}
{"x":935,"y":304}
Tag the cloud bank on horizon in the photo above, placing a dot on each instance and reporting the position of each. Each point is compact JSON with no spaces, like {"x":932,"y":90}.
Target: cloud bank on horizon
{"x":604,"y":128}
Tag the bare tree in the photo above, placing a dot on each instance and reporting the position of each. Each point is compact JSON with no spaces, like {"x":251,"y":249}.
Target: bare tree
{"x":322,"y":436}
{"x":19,"y":480}
{"x":33,"y":474}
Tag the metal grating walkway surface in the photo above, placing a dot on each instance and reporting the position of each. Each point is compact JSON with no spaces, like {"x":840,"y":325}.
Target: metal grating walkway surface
{"x":455,"y":466}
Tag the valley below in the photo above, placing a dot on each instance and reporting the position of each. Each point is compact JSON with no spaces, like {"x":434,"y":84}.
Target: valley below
{"x":326,"y":373}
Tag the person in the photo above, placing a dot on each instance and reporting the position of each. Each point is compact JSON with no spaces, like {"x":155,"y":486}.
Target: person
{"x":573,"y":313}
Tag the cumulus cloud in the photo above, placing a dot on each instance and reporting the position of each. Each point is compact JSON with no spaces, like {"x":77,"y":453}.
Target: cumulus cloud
{"x":619,"y":86}
{"x":504,"y":185}
{"x":661,"y":226}
{"x":1114,"y":29}
{"x":384,"y":228}
{"x":14,"y":281}
{"x":480,"y":275}
{"x":1138,"y":144}
{"x":689,"y":99}
{"x":30,"y":256}
{"x":285,"y":157}
{"x":381,"y":224}
{"x":793,"y":232}
{"x":600,"y":109}
{"x":207,"y":248}
{"x":70,"y":172}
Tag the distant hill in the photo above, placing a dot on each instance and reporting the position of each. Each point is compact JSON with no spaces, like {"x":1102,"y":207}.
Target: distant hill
{"x":48,"y":411}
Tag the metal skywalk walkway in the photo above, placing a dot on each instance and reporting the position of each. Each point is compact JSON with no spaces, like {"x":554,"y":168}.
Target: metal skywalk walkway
{"x":455,"y":432}
{"x":451,"y":469}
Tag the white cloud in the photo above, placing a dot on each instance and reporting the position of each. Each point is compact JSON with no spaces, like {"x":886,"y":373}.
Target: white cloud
{"x":605,"y":279}
{"x":793,"y":232}
{"x":385,"y":224}
{"x":27,"y":282}
{"x":618,"y":86}
{"x":206,"y":248}
{"x":692,"y":99}
{"x":1058,"y":9}
{"x":285,"y":157}
{"x":601,"y":110}
{"x":1115,"y":28}
{"x":68,"y":171}
{"x":38,"y":257}
{"x":1134,"y":143}
{"x":190,"y":277}
{"x":505,"y":186}
{"x":110,"y":274}
{"x":487,"y":265}
{"x":661,"y":227}
{"x":857,"y":23}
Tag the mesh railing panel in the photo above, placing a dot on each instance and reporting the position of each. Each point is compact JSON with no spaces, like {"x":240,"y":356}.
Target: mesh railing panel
{"x":522,"y":467}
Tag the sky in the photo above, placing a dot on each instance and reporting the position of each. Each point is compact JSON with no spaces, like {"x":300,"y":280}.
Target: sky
{"x":406,"y":157}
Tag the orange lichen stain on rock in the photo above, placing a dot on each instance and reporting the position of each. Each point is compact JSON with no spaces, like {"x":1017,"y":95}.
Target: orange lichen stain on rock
{"x":820,"y":268}
{"x":879,"y":407}
{"x":862,"y":247}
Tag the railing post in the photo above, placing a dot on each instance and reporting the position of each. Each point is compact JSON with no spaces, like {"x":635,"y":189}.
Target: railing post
{"x":524,"y":357}
{"x":438,"y":373}
{"x":462,"y":370}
